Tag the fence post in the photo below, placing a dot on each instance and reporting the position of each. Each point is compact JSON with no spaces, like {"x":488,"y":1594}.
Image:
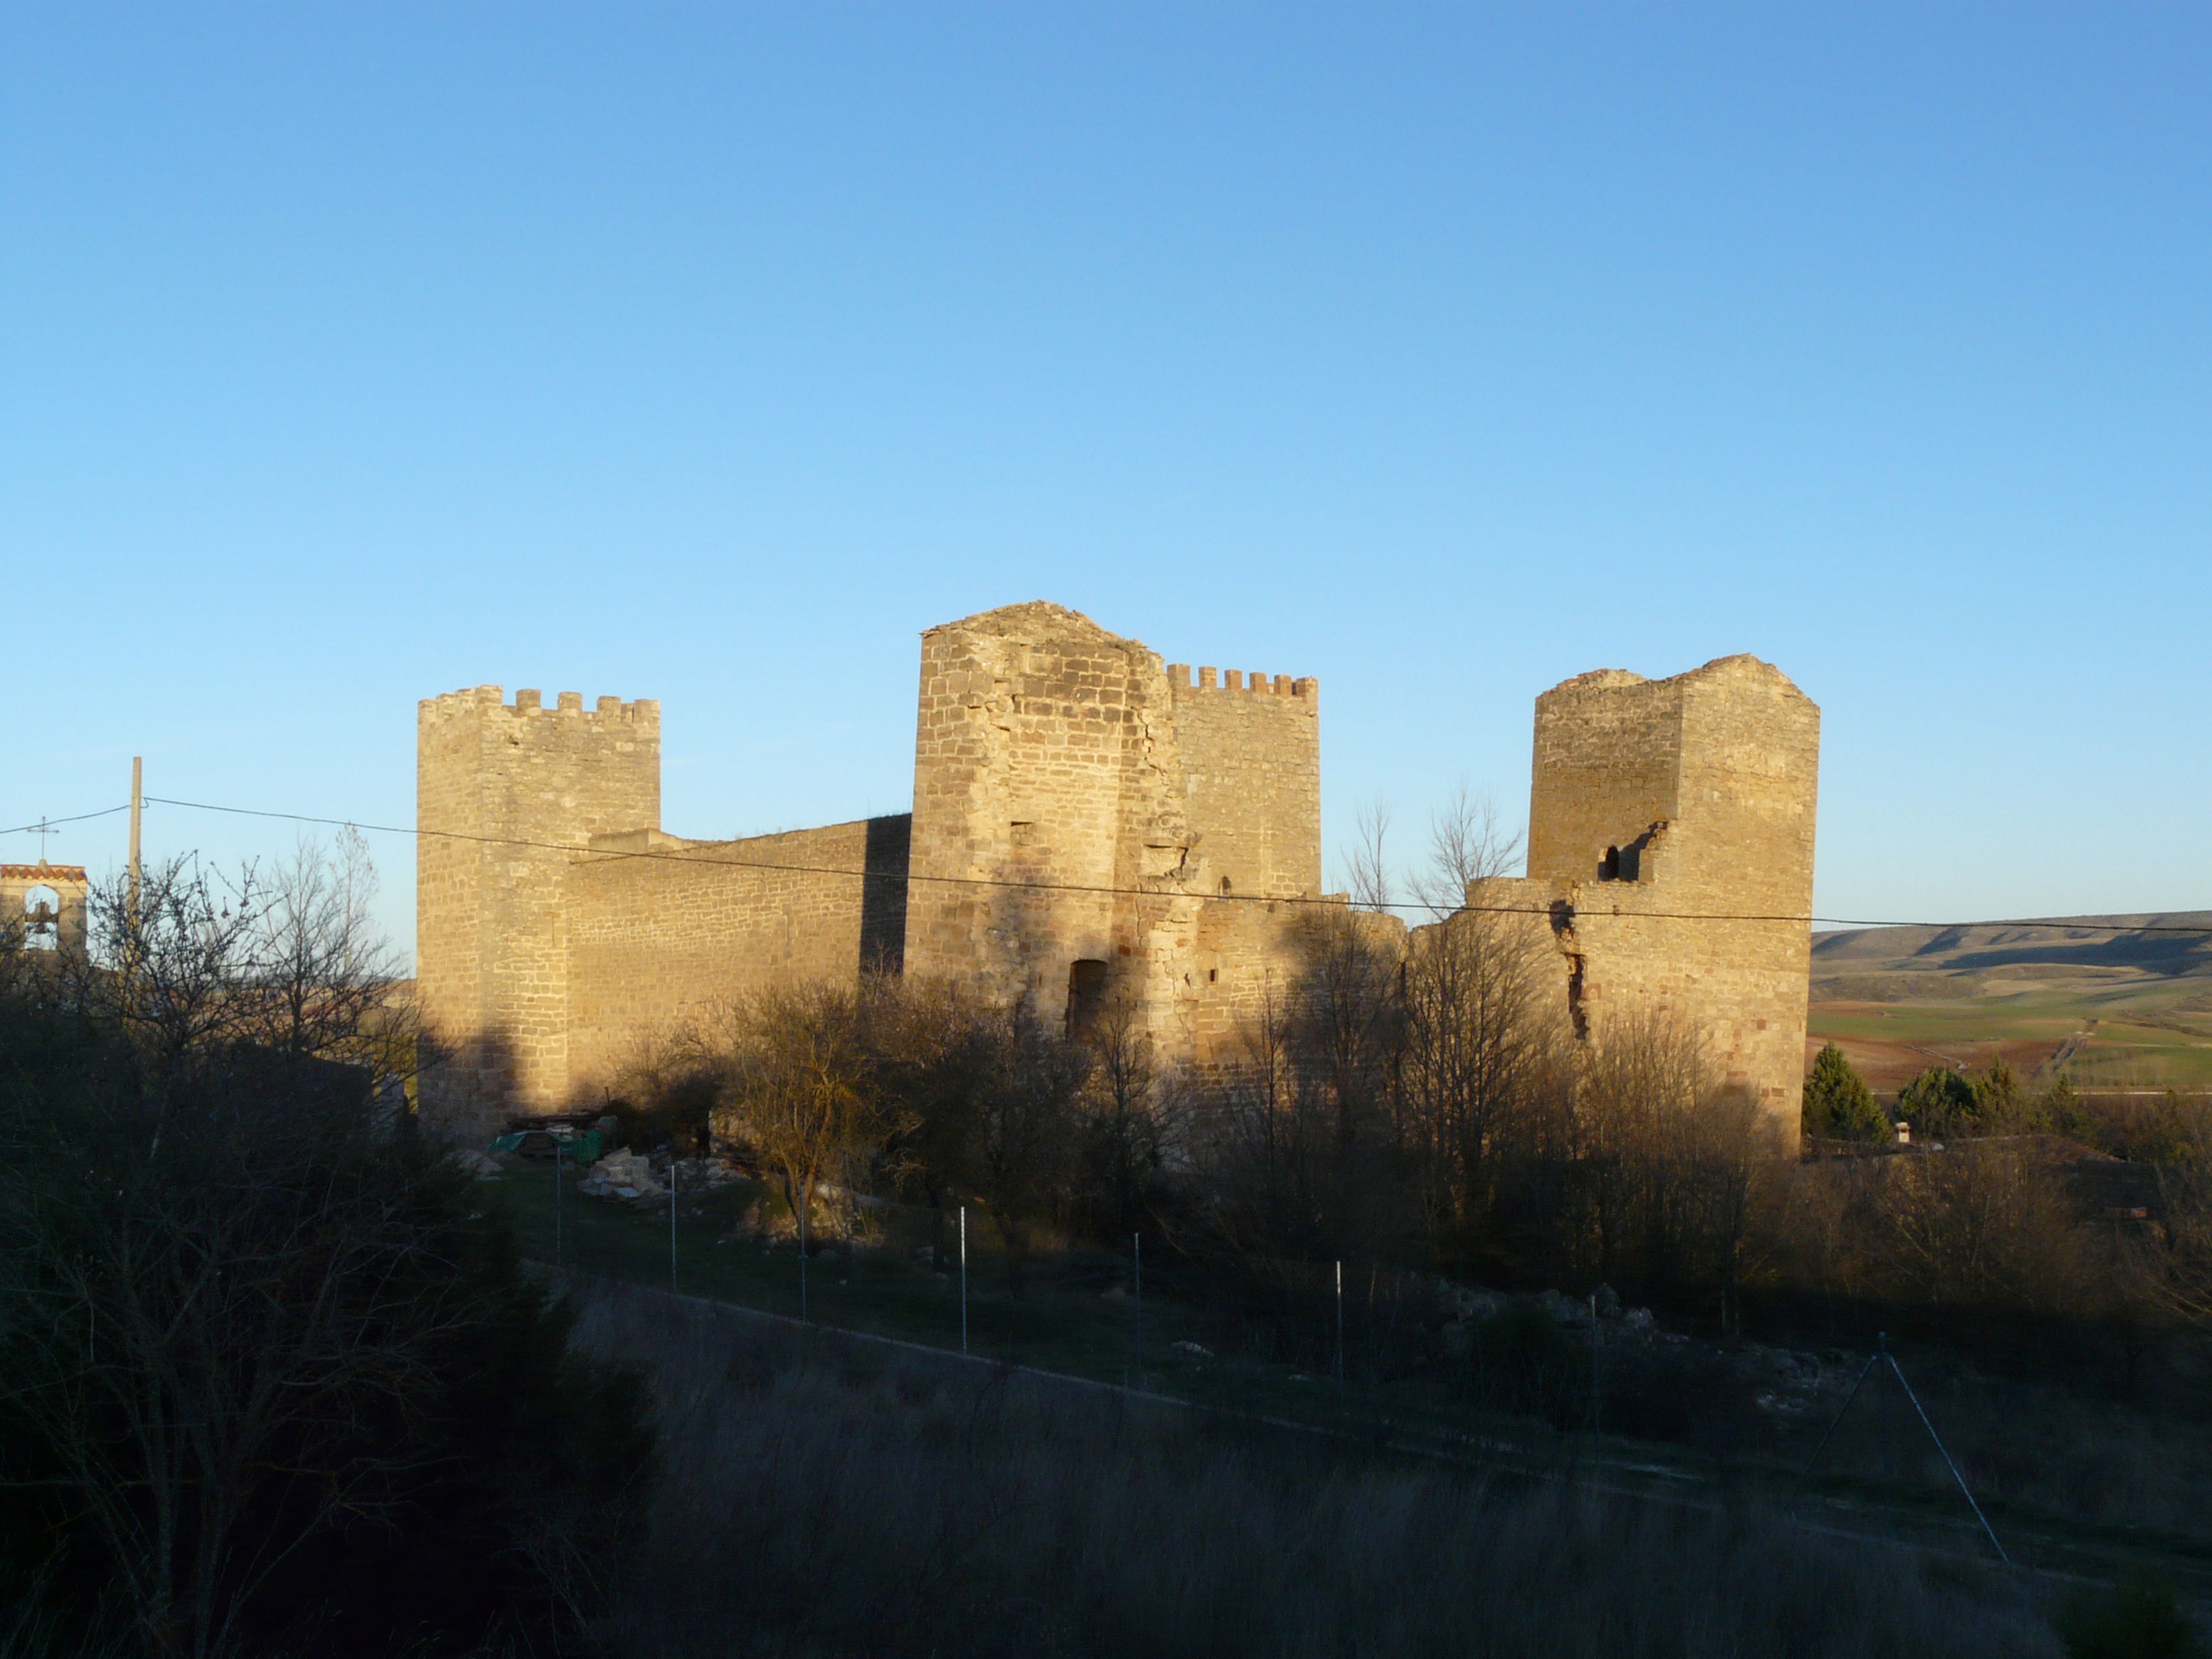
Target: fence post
{"x":557,"y":1204}
{"x":1593,"y":1361}
{"x":1137,"y":1256}
{"x":963,"y":1279}
{"x":1340,"y":1323}
{"x":673,"y":1167}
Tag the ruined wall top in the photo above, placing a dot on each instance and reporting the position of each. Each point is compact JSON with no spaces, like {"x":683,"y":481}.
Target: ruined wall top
{"x":1708,"y":775}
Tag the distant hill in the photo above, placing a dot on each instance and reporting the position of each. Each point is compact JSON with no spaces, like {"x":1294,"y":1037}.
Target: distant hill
{"x":2108,"y":997}
{"x":2099,"y":948}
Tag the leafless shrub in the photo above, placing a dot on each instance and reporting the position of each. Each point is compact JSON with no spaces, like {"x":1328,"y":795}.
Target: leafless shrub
{"x":238,"y":1307}
{"x":2174,"y":1267}
{"x":799,"y":1086}
{"x":1668,"y":1158}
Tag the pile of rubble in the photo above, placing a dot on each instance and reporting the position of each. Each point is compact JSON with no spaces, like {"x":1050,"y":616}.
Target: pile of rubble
{"x":621,"y":1174}
{"x":1785,"y":1384}
{"x":631,"y":1177}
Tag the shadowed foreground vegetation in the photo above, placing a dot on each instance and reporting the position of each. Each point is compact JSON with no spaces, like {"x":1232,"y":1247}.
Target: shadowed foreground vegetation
{"x":272,"y":1382}
{"x":824,"y":1497}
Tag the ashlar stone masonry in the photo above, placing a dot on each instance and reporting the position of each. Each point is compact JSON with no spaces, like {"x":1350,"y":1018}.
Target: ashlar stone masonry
{"x":1088,"y":821}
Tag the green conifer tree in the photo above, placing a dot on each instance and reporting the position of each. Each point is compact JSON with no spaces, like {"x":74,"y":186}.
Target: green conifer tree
{"x":1939,"y":1104}
{"x":1839,"y":1105}
{"x":1997,"y":1103}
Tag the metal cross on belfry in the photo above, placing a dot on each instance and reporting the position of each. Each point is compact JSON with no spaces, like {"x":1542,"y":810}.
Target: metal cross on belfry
{"x":45,"y":830}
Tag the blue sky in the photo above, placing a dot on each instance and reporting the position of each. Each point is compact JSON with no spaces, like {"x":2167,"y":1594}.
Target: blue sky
{"x":349,"y":354}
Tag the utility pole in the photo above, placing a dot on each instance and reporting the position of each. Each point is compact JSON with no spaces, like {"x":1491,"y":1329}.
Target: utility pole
{"x":137,"y":824}
{"x":963,"y":1279}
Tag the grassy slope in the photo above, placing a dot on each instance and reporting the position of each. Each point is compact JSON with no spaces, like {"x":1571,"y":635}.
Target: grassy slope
{"x":823,"y":1499}
{"x":1067,"y":1324}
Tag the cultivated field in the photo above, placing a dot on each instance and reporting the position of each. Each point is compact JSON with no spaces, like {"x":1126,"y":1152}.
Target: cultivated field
{"x":2116,"y":1003}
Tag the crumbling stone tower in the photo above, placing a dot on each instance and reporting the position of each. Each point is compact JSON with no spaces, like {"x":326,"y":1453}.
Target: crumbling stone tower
{"x":1076,"y":804}
{"x":505,"y":796}
{"x":1670,"y":841}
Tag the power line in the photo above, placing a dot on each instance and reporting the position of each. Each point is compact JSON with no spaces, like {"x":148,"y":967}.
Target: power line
{"x":779,"y":866}
{"x":50,"y":823}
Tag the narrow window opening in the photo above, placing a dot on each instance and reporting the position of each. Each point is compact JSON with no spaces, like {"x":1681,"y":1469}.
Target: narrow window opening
{"x":1212,"y":975}
{"x":1631,"y":862}
{"x":1608,"y":867}
{"x":1224,"y":884}
{"x":1086,"y":996}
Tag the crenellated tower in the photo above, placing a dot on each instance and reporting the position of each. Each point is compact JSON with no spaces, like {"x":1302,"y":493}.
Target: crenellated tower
{"x":507,"y":796}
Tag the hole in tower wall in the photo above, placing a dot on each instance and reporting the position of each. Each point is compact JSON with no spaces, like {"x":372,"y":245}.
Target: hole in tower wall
{"x":1608,"y":867}
{"x":1086,"y":996}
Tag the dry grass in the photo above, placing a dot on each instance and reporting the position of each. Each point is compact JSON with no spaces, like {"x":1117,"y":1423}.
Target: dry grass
{"x":830,"y":1497}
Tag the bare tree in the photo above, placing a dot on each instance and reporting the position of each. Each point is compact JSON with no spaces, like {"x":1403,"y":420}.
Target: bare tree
{"x":225,"y":1323}
{"x":173,"y":965}
{"x":1124,"y":1132}
{"x":1482,"y":1043}
{"x":319,"y":973}
{"x":1367,"y":866}
{"x":1669,"y":1156}
{"x":231,"y":1303}
{"x":801,"y":1087}
{"x":1019,"y":1154}
{"x":2176,"y":1273}
{"x":1468,"y":842}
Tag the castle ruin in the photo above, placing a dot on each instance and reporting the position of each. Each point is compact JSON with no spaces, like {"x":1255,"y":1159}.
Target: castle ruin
{"x":1087,"y":820}
{"x":1670,"y":857}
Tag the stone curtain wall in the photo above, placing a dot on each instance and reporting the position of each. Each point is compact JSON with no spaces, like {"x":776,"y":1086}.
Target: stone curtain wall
{"x":491,"y":915}
{"x":1251,"y":762}
{"x":1675,"y":818}
{"x":657,"y":940}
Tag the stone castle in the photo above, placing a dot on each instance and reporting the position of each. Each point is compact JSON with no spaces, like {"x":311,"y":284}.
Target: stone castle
{"x":1087,"y":822}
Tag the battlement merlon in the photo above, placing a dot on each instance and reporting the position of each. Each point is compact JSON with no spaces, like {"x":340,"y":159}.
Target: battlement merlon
{"x":480,"y":701}
{"x":1305,"y":689}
